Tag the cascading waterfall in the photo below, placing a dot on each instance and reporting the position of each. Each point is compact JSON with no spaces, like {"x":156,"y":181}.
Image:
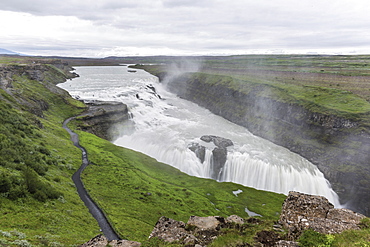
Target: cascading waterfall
{"x":165,"y":126}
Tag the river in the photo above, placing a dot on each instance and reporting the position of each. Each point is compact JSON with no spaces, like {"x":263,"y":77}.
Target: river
{"x":163,"y":126}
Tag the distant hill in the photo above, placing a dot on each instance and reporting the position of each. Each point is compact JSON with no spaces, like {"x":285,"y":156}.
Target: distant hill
{"x":7,"y":52}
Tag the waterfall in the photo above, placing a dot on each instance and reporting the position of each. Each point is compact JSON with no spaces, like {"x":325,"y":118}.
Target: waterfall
{"x":165,"y":126}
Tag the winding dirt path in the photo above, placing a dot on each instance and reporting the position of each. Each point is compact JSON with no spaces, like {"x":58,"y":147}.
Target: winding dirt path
{"x":94,"y":209}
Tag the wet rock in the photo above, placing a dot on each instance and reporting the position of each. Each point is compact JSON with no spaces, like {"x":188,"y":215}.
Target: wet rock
{"x":219,"y":156}
{"x":199,"y":150}
{"x":218,"y":141}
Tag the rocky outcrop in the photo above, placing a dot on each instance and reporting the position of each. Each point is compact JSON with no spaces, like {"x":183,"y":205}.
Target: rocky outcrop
{"x":301,"y":211}
{"x":198,"y":231}
{"x":218,"y":141}
{"x":101,"y":118}
{"x":102,"y":241}
{"x":219,"y":153}
{"x":339,"y":146}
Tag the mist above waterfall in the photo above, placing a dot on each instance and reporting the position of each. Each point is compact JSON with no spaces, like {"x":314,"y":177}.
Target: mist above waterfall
{"x":185,"y":65}
{"x":164,"y":127}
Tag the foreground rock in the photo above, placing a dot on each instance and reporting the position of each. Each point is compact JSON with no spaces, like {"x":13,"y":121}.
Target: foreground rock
{"x":198,"y":231}
{"x":301,"y":211}
{"x":101,"y":241}
{"x":101,"y":118}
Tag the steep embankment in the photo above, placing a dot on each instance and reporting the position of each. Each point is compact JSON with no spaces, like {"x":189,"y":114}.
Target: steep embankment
{"x":322,"y":130}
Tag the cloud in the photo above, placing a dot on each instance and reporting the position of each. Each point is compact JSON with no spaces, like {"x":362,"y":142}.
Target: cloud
{"x":184,"y":26}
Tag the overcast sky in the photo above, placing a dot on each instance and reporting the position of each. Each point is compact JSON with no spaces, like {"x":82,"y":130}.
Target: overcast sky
{"x":99,"y":28}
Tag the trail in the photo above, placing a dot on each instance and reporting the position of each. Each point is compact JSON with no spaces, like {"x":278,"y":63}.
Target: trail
{"x":94,"y":209}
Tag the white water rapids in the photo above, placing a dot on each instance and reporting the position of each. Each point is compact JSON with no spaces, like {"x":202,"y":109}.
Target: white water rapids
{"x":164,"y":127}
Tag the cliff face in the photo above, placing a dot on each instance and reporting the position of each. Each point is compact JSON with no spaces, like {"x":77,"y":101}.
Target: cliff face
{"x":101,"y":119}
{"x":12,"y":76}
{"x":340,"y":147}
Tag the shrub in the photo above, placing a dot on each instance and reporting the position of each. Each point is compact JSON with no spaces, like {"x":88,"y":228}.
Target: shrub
{"x":5,"y":183}
{"x":17,"y":192}
{"x":40,"y":196}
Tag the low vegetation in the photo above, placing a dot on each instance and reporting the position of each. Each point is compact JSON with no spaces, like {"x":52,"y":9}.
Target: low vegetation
{"x":39,"y":205}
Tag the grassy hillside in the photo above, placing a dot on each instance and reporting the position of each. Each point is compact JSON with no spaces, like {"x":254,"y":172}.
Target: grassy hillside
{"x":38,"y":201}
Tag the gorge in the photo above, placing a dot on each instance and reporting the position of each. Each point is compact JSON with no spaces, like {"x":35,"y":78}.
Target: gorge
{"x":165,"y":126}
{"x":35,"y":147}
{"x":337,"y":143}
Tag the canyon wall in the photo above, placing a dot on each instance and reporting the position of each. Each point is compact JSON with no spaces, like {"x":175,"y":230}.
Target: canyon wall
{"x":339,"y":146}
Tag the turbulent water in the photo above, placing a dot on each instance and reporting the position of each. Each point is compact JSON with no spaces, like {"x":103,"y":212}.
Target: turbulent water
{"x":164,"y":126}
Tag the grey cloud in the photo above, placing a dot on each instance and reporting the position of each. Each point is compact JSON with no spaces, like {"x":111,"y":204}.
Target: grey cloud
{"x":211,"y":24}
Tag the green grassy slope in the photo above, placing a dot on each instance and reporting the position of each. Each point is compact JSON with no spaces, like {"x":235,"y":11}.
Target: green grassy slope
{"x":38,"y":201}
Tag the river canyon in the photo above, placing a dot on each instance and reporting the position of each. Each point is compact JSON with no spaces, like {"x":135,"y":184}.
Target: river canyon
{"x":166,"y":127}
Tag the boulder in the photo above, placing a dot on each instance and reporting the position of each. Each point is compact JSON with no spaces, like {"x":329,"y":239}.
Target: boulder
{"x":235,"y":219}
{"x":205,"y":223}
{"x":301,"y":211}
{"x":197,"y":231}
{"x":345,"y":215}
{"x":298,"y":205}
{"x":199,"y":150}
{"x":98,"y":241}
{"x":218,"y":141}
{"x":102,"y":241}
{"x":219,"y":156}
{"x":325,"y":226}
{"x":171,"y":230}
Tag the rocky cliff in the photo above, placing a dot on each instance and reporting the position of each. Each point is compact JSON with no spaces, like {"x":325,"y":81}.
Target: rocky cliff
{"x":40,"y":70}
{"x":338,"y":144}
{"x":101,"y":118}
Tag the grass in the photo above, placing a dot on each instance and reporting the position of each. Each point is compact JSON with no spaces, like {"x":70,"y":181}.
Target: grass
{"x":41,"y":146}
{"x":133,"y":189}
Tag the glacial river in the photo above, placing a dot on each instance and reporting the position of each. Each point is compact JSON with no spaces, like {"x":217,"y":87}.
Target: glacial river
{"x":163,"y":126}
